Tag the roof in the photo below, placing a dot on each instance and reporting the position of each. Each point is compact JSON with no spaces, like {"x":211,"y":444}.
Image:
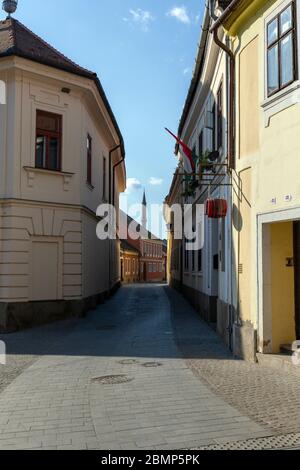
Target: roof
{"x":17,"y":40}
{"x":199,"y":64}
{"x":197,"y":72}
{"x":126,"y":219}
{"x":126,"y":246}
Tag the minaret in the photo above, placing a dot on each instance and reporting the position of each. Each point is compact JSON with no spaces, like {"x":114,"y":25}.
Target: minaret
{"x":144,"y":211}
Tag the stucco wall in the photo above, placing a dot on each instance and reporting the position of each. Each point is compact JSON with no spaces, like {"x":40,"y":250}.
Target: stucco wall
{"x":47,"y":215}
{"x":268,"y":143}
{"x":23,"y":224}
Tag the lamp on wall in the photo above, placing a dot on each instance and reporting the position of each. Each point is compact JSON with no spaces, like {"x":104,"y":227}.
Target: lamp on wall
{"x":10,"y":6}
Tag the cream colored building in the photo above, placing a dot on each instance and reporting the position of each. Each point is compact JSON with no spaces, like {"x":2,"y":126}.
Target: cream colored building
{"x":264,"y":37}
{"x":61,"y":156}
{"x":204,"y":276}
{"x":258,"y":309}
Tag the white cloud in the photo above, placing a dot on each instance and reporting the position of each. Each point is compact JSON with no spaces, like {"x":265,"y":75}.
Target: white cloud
{"x":140,"y":17}
{"x":180,"y":14}
{"x":186,"y":71}
{"x":155,"y":181}
{"x":133,"y":184}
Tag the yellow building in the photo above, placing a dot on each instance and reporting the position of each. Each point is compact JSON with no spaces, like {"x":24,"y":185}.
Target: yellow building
{"x":264,"y":39}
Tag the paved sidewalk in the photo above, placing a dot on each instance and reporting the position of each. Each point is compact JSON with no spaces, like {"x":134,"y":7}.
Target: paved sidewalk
{"x":269,"y":396}
{"x":68,"y":398}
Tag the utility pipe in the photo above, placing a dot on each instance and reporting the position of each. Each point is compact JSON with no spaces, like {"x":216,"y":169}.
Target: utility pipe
{"x":110,"y":200}
{"x":228,"y":51}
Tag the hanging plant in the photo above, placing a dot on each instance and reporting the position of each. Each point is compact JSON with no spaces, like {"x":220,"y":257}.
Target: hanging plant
{"x":204,"y":161}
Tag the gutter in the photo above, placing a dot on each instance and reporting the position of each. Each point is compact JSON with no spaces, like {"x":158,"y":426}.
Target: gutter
{"x":215,"y":31}
{"x":197,"y":73}
{"x":114,"y":174}
{"x":230,"y":9}
{"x":111,"y":198}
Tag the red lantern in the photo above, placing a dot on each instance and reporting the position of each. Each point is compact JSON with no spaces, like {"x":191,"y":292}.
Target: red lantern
{"x":216,"y":208}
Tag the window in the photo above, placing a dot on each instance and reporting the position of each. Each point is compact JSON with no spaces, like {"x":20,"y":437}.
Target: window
{"x":220,"y":117}
{"x":48,"y":141}
{"x":186,"y":259}
{"x":89,"y":159}
{"x":104,"y":179}
{"x":200,"y":261}
{"x":213,"y":131}
{"x":281,"y":48}
{"x":201,"y":143}
{"x":193,"y":260}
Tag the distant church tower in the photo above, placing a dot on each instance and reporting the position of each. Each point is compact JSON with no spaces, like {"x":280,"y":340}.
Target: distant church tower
{"x":144,"y":211}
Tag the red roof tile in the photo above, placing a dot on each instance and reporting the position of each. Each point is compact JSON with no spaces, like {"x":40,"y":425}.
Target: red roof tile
{"x":16,"y":39}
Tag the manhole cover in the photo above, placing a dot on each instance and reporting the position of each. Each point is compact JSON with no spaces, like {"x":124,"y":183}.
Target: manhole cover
{"x":105,"y":327}
{"x":128,"y":362}
{"x":112,"y":379}
{"x":152,"y":364}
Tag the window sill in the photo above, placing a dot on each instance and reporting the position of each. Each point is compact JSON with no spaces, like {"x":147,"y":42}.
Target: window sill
{"x":276,"y":103}
{"x":33,"y":171}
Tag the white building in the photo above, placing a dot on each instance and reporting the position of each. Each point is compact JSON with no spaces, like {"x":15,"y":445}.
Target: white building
{"x":61,"y":155}
{"x":204,"y":276}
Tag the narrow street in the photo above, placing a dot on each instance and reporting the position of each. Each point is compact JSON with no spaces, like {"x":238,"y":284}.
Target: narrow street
{"x":140,"y":372}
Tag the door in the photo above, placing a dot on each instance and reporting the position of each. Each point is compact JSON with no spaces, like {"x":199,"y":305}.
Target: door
{"x":297,"y":276}
{"x":46,"y":269}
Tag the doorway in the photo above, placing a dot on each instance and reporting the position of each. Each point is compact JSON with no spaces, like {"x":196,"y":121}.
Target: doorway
{"x":280,"y":247}
{"x":296,"y":247}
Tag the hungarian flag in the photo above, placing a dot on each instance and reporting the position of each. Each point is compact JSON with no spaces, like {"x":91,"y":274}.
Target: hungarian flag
{"x":187,"y":154}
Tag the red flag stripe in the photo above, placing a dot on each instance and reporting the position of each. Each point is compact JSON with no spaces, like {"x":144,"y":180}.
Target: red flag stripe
{"x":188,"y":152}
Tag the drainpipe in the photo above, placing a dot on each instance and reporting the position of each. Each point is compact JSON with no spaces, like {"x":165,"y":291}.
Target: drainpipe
{"x":110,"y":200}
{"x":231,"y":133}
{"x":110,"y":163}
{"x":114,"y":180}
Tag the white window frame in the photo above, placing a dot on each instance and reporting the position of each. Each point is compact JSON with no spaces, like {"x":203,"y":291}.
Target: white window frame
{"x":289,"y":95}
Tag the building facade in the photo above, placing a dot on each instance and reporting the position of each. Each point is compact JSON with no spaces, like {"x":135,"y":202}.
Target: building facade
{"x":204,"y":276}
{"x":59,"y":147}
{"x":264,"y":37}
{"x":255,"y":276}
{"x":130,"y":263}
{"x":152,"y":257}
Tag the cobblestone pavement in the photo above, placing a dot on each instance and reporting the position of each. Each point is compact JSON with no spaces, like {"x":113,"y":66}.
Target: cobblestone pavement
{"x":117,"y":380}
{"x":24,"y":348}
{"x":268,"y":396}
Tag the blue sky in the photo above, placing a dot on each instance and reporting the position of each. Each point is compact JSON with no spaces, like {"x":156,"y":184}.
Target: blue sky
{"x":144,"y":53}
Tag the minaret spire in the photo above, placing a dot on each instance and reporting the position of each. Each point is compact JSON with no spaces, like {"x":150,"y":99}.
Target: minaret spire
{"x":144,"y":211}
